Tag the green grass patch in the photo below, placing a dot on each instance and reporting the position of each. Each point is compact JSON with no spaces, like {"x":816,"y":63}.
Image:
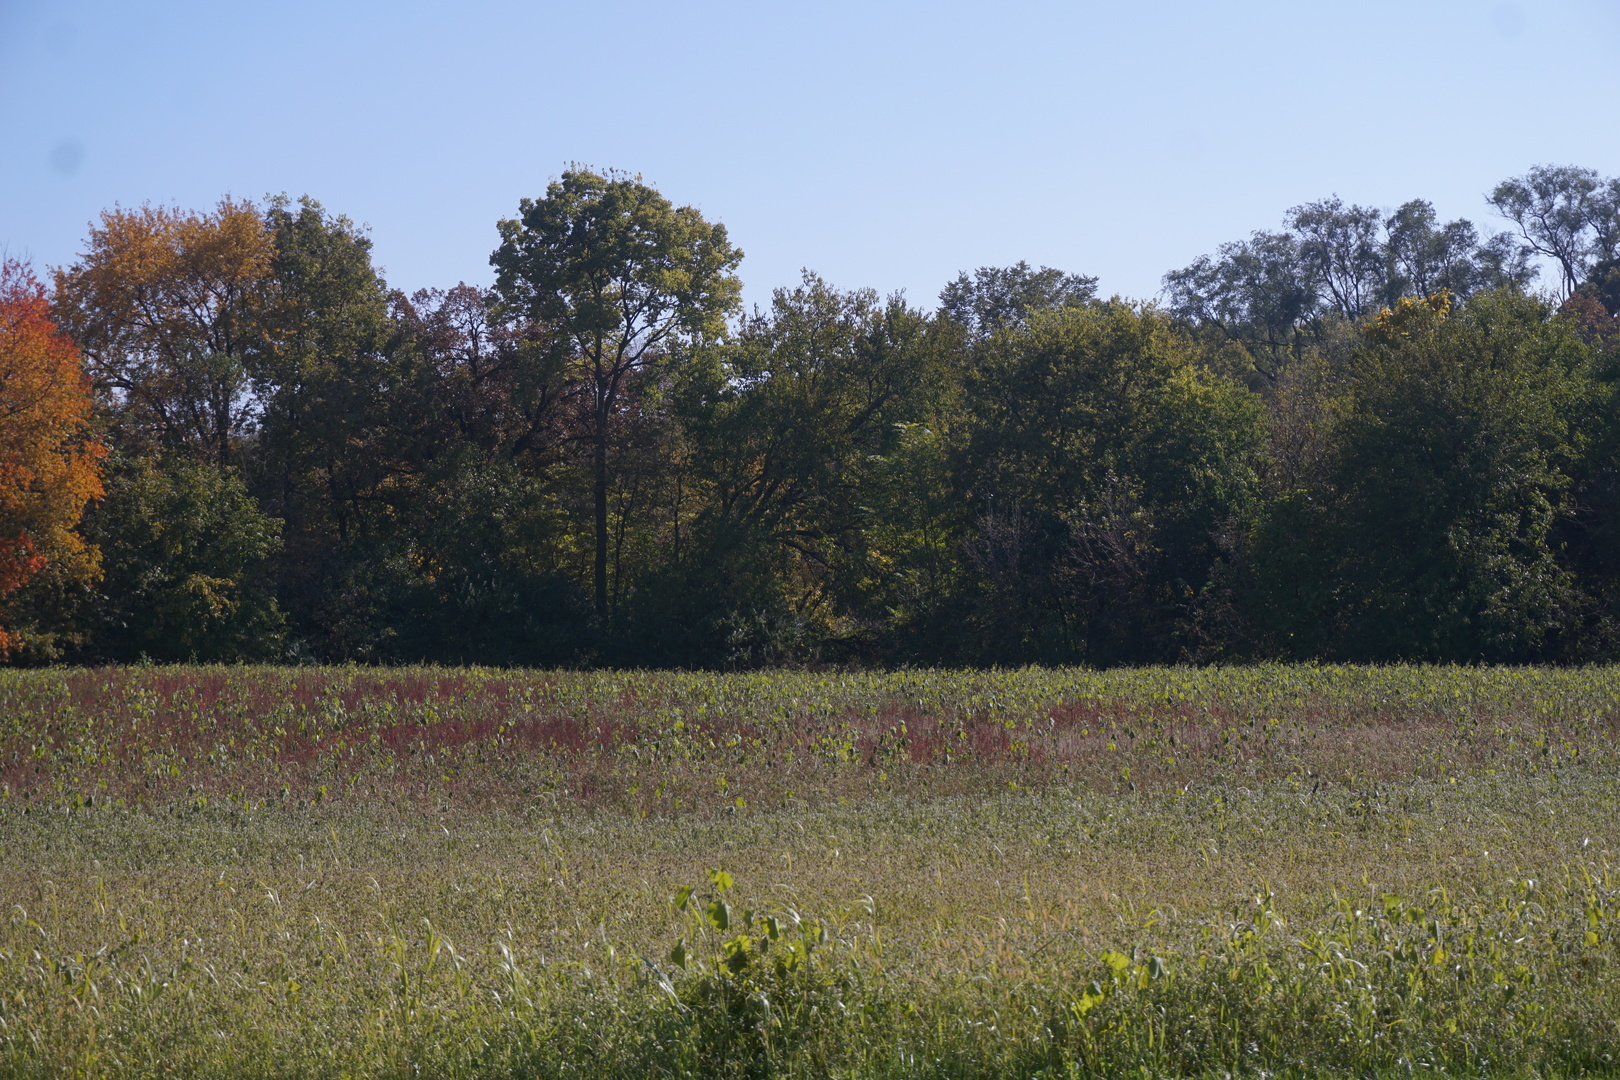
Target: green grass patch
{"x":1266,"y":871}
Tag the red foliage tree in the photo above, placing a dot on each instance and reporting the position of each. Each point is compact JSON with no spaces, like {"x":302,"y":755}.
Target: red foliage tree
{"x":50,"y":465}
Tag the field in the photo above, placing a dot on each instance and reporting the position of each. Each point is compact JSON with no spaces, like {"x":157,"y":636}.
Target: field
{"x":1278,"y":871}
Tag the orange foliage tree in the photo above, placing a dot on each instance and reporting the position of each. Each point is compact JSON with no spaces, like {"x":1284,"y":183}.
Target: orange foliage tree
{"x":165,"y":304}
{"x":50,"y":466}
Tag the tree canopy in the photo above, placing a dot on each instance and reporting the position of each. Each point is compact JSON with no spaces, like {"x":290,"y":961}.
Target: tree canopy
{"x":1362,"y":435}
{"x":622,"y":278}
{"x":49,"y":458}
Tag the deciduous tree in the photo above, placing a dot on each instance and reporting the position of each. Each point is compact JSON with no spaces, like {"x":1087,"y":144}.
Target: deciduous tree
{"x":789,"y":430}
{"x":164,"y":305}
{"x":49,"y":463}
{"x":1101,"y":460}
{"x":1455,"y":465}
{"x":623,"y":277}
{"x":186,"y":549}
{"x":1005,"y":296}
{"x":1566,"y":213}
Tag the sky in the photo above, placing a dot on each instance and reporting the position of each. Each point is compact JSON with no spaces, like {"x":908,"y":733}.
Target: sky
{"x":880,"y":144}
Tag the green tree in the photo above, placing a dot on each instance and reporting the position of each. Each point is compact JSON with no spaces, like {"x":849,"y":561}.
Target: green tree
{"x":1565,"y":213}
{"x":787,"y":429}
{"x":341,"y":421}
{"x":997,"y":298}
{"x":623,"y":278}
{"x":1102,"y":461}
{"x":1282,"y":293}
{"x":186,"y":551}
{"x":1454,"y":466}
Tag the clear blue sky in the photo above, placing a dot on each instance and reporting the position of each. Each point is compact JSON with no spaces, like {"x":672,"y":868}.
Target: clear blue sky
{"x":881,"y":144}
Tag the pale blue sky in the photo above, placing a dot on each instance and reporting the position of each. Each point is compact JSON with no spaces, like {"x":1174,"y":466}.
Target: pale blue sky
{"x":881,"y":144}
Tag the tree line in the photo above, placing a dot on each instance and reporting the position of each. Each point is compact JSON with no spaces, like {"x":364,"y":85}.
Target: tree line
{"x":1364,"y":436}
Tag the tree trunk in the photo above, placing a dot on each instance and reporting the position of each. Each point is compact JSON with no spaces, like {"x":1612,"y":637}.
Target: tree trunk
{"x":601,"y":515}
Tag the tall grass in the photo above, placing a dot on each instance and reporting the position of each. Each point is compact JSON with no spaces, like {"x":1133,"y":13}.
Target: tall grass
{"x":317,"y":872}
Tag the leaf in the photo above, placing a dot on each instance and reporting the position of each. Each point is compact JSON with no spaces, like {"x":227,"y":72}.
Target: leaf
{"x":720,"y":879}
{"x":719,"y":915}
{"x":739,"y":953}
{"x":682,"y":896}
{"x":677,"y":955}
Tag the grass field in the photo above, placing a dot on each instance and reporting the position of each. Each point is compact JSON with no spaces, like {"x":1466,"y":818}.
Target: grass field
{"x":1263,"y":871}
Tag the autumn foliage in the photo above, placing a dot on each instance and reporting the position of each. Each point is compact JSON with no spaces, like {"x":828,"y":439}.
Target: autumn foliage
{"x":49,"y":464}
{"x":163,"y":304}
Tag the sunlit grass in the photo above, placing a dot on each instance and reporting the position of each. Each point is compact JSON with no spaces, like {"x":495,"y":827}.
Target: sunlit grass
{"x":277,"y":872}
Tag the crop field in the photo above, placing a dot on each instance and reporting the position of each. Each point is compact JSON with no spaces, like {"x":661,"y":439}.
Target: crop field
{"x":354,"y":872}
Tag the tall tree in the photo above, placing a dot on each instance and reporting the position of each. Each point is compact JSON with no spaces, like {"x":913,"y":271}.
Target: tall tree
{"x":49,"y":463}
{"x":997,"y":297}
{"x":1342,"y":252}
{"x":1104,"y":459}
{"x":1426,"y":256}
{"x":1566,"y":213}
{"x":788,"y":424}
{"x":164,"y":304}
{"x":1279,"y":293}
{"x":623,"y":277}
{"x":1455,"y":465}
{"x":339,"y":416}
{"x":1258,"y":292}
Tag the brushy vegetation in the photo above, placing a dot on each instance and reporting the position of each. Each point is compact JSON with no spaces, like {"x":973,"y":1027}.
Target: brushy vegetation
{"x":351,"y":872}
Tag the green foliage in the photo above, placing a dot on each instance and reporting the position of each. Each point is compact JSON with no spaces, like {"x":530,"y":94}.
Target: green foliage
{"x":1282,"y":293}
{"x":1377,"y":871}
{"x":1298,"y":457}
{"x":788,"y":425}
{"x":622,"y":278}
{"x":1565,"y":213}
{"x":748,"y":1000}
{"x":186,"y":553}
{"x":1104,"y":460}
{"x":1454,"y":467}
{"x":608,"y":259}
{"x":337,"y":409}
{"x":1000,"y":298}
{"x":486,"y":584}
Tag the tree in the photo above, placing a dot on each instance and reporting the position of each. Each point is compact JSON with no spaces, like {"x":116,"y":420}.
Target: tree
{"x":1102,"y":460}
{"x":1426,"y":257}
{"x":1603,"y":285}
{"x":998,"y":297}
{"x":1341,"y":250}
{"x":1566,"y":213}
{"x":788,"y":425}
{"x":340,"y":425}
{"x":1258,"y":292}
{"x":623,"y":278}
{"x":164,"y":305}
{"x":49,"y":462}
{"x":1334,"y":265}
{"x":187,"y":552}
{"x":1454,"y":467}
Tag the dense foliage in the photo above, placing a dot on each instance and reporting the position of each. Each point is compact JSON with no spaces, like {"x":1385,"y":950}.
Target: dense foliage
{"x":1364,"y":436}
{"x":49,"y":461}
